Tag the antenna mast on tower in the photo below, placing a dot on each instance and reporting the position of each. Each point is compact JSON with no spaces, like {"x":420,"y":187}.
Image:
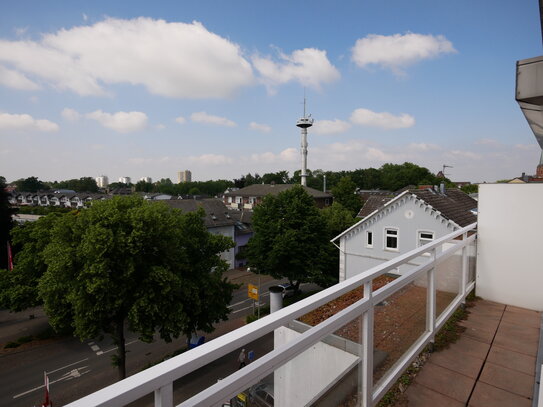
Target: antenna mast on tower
{"x":304,"y":123}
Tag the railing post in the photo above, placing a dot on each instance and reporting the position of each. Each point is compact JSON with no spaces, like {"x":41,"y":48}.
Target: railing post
{"x":464,"y":279}
{"x":367,"y":350}
{"x":164,"y":396}
{"x":431,"y":299}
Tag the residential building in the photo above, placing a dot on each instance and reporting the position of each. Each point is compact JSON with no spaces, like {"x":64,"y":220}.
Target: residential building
{"x":394,"y":226}
{"x":217,"y":220}
{"x":102,"y":181}
{"x":125,"y":180}
{"x":248,"y":197}
{"x":146,"y":179}
{"x":184,"y":176}
{"x":318,"y":365}
{"x":243,"y":232}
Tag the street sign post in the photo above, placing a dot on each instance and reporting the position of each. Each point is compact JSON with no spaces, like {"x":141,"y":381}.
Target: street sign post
{"x":252,"y":291}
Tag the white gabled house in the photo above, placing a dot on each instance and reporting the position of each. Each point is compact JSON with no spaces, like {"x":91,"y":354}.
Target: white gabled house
{"x":397,"y":225}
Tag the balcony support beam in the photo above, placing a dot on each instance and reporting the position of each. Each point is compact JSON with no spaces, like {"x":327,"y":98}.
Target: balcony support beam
{"x":164,"y":396}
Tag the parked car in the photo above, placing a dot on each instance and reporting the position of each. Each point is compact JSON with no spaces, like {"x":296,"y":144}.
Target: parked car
{"x":261,"y":395}
{"x":288,"y":290}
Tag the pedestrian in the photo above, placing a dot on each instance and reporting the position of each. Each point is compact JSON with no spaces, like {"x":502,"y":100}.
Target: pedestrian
{"x":241,"y":358}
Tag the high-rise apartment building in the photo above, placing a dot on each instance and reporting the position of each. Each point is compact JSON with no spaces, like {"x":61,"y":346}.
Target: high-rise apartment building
{"x":146,"y":179}
{"x":102,"y":181}
{"x":184,"y":176}
{"x":125,"y":180}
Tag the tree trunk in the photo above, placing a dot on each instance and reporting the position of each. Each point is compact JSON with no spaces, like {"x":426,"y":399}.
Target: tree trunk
{"x":121,"y":350}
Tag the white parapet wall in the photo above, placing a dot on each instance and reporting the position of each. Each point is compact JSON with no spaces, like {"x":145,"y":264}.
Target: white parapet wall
{"x":510,"y":244}
{"x":308,"y":376}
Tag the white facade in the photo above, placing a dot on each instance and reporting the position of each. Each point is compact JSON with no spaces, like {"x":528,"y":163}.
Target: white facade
{"x":102,"y":181}
{"x":146,"y":179}
{"x":509,"y":258}
{"x":402,"y":225}
{"x":184,"y":176}
{"x":125,"y":180}
{"x":228,"y":231}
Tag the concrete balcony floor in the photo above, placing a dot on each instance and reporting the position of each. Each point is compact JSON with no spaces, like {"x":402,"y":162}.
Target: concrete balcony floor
{"x":492,"y":364}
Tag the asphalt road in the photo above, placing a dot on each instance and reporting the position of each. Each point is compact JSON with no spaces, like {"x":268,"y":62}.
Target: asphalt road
{"x":76,"y":369}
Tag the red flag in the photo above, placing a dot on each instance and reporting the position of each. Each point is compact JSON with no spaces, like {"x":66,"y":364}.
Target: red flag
{"x":10,"y":258}
{"x":47,"y":402}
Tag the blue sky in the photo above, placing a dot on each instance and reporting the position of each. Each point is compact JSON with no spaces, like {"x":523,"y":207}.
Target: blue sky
{"x":139,"y":89}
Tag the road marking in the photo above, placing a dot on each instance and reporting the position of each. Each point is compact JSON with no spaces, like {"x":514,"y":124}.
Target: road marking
{"x":237,"y":303}
{"x":243,"y":309}
{"x":95,"y":348}
{"x":72,"y":374}
{"x":64,"y":367}
{"x":115,"y":348}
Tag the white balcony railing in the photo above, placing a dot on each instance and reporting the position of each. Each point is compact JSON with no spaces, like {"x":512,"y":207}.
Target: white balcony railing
{"x":159,"y":379}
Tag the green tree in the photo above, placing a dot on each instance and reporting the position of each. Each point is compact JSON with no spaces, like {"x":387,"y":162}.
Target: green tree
{"x":127,"y":262}
{"x":142,"y":186}
{"x":345,"y":193}
{"x":337,"y":219}
{"x":289,"y":237}
{"x":30,"y":184}
{"x":396,"y":176}
{"x":279,"y":177}
{"x":470,"y":189}
{"x":19,"y":287}
{"x":6,"y":223}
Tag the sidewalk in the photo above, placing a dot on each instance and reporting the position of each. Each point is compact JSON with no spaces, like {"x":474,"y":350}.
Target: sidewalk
{"x":493,"y":363}
{"x":14,"y":325}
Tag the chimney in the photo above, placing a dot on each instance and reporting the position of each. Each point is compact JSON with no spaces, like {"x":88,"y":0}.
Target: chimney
{"x":442,"y":188}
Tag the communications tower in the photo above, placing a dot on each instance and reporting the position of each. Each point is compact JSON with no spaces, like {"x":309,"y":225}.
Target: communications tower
{"x":304,"y":123}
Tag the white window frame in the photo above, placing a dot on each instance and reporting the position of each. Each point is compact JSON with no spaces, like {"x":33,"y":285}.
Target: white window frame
{"x":239,"y":199}
{"x":369,"y":233}
{"x":252,"y":200}
{"x":426,"y":240}
{"x":397,"y":236}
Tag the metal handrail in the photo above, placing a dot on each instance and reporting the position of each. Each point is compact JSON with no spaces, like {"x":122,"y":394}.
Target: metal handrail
{"x":159,"y":378}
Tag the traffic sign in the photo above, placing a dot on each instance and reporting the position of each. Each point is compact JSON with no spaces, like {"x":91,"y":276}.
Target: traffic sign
{"x":252,"y":291}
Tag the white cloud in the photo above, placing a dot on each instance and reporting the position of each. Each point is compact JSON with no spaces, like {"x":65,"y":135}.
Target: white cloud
{"x":384,"y":120}
{"x":423,"y":147}
{"x":70,"y":114}
{"x":20,"y":31}
{"x":286,"y":156}
{"x":180,"y":120}
{"x":169,"y":59}
{"x":289,"y":155}
{"x":148,"y":161}
{"x":398,"y":51}
{"x":160,"y":126}
{"x":330,"y":126}
{"x":211,"y":159}
{"x":25,"y":122}
{"x":122,"y":122}
{"x":465,"y":154}
{"x":16,"y":80}
{"x":203,"y":117}
{"x":264,"y":128}
{"x":308,"y":66}
{"x":85,"y":17}
{"x":489,"y":142}
{"x":526,"y":147}
{"x":376,"y":154}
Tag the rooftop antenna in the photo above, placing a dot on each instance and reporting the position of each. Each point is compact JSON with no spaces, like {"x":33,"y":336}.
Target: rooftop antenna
{"x":446,"y":166}
{"x":304,"y":123}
